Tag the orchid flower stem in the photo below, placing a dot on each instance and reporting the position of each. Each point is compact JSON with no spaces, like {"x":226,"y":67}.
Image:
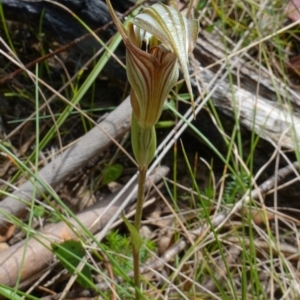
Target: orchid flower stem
{"x":137,"y":225}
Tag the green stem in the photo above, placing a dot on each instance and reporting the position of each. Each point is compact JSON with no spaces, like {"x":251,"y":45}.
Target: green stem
{"x":137,"y":224}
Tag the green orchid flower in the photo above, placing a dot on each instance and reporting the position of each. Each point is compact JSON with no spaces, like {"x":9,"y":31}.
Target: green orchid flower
{"x":155,"y":40}
{"x":151,"y":75}
{"x":175,"y":32}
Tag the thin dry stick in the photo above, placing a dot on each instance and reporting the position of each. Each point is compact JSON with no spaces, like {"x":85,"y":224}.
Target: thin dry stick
{"x":110,"y":274}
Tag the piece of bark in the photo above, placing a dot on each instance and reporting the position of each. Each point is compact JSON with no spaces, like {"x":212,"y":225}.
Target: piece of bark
{"x":77,"y":156}
{"x":55,"y":19}
{"x":270,"y":120}
{"x":58,"y":23}
{"x":34,"y":256}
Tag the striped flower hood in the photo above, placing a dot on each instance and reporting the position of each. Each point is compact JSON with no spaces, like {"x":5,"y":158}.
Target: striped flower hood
{"x":156,"y":41}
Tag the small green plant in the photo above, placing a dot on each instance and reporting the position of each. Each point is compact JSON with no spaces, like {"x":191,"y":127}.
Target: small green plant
{"x":111,"y":173}
{"x":235,"y":188}
{"x":119,"y":243}
{"x":70,"y":254}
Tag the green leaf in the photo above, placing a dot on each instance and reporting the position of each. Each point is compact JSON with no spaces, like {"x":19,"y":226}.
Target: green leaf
{"x":112,"y":173}
{"x":136,"y":239}
{"x":169,"y":103}
{"x":165,"y":124}
{"x":9,"y":293}
{"x":55,"y":217}
{"x":39,"y":211}
{"x":70,"y":254}
{"x":201,"y":4}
